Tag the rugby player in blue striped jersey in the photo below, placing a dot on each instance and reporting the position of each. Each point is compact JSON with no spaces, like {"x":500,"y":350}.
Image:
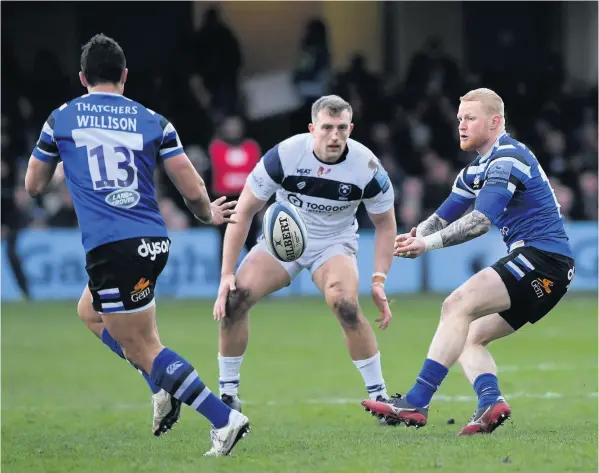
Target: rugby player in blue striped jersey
{"x":507,"y":188}
{"x":108,"y":147}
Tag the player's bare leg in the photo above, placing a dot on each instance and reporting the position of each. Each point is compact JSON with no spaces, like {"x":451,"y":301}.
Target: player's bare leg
{"x":88,"y":315}
{"x":483,"y":294}
{"x":167,"y":409}
{"x":480,"y":369}
{"x":138,"y":335}
{"x":260,"y":274}
{"x":337,"y":279}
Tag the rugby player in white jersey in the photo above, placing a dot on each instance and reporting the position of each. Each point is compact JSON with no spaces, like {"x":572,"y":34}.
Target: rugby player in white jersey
{"x":325,"y":175}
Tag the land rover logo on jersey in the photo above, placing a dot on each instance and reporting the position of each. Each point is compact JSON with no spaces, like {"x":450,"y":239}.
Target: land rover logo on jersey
{"x":344,"y":189}
{"x":124,"y":198}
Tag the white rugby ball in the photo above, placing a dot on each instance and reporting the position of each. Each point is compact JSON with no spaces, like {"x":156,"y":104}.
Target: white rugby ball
{"x":284,"y":232}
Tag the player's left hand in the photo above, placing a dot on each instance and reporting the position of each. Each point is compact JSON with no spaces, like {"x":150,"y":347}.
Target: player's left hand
{"x":413,"y":247}
{"x":222,"y":212}
{"x":382,"y":304}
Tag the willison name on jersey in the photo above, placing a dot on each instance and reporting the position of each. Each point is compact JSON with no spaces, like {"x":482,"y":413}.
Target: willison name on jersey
{"x":107,"y":121}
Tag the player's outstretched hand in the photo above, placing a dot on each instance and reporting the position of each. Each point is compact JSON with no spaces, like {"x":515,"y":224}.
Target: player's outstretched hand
{"x":222,"y":212}
{"x":227,"y":284}
{"x":405,"y":236}
{"x":380,"y":300}
{"x":413,"y":247}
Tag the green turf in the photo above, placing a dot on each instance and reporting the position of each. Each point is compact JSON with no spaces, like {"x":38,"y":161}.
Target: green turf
{"x":70,"y":405}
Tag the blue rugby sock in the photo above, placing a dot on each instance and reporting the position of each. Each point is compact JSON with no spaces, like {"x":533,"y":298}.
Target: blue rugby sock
{"x":116,"y":348}
{"x":487,"y":389}
{"x":176,"y":376}
{"x":430,"y":378}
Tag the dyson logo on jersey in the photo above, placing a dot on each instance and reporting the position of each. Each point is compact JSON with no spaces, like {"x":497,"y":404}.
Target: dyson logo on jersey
{"x":124,"y":198}
{"x":153,"y":248}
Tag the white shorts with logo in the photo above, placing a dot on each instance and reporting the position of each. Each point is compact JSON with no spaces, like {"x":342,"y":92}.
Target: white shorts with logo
{"x":317,"y":253}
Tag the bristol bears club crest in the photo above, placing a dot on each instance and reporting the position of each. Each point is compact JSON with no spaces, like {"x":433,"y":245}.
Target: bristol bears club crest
{"x":344,"y":190}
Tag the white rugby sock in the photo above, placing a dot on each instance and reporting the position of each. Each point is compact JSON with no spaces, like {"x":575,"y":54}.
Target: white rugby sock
{"x":372,"y":373}
{"x":228,"y":374}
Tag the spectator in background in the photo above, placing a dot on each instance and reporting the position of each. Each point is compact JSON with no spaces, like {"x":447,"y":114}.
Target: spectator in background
{"x":410,"y":210}
{"x":564,"y":196}
{"x":384,"y":148}
{"x":432,"y":65}
{"x":359,"y":84}
{"x":312,"y":73}
{"x":233,"y":155}
{"x":586,"y":139}
{"x":554,"y":160}
{"x":47,"y":75}
{"x":65,"y":215}
{"x":438,"y":179}
{"x":217,"y":62}
{"x":11,"y":218}
{"x":174,"y":217}
{"x":588,"y":190}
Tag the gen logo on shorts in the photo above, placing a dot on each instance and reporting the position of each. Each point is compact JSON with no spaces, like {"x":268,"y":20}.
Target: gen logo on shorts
{"x":141,"y":290}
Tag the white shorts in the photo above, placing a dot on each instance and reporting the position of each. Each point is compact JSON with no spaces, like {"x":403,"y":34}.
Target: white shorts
{"x":317,"y":253}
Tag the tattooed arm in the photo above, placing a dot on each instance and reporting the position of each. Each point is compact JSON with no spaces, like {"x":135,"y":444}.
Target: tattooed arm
{"x":431,"y":225}
{"x":464,"y":229}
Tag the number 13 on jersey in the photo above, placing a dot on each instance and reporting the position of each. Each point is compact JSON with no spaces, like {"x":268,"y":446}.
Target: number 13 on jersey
{"x":110,"y":156}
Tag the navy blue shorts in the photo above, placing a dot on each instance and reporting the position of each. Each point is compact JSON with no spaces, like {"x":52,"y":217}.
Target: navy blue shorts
{"x":123,"y":274}
{"x":535,"y":280}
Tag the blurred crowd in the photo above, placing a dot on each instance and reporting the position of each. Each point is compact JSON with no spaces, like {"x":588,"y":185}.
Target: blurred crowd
{"x":410,"y":124}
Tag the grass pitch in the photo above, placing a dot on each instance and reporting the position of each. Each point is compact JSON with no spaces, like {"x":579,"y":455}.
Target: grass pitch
{"x":70,"y":405}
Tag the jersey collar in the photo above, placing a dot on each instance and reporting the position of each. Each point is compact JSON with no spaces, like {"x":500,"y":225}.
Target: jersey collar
{"x":342,"y":158}
{"x":493,"y":148}
{"x":103,"y":93}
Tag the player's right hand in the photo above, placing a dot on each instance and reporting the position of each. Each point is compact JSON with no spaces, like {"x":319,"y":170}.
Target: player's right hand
{"x":405,"y":236}
{"x":382,"y":304}
{"x":227,"y":284}
{"x":222,"y":212}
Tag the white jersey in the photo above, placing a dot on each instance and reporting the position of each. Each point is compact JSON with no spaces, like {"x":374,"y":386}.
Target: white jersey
{"x":326,"y":195}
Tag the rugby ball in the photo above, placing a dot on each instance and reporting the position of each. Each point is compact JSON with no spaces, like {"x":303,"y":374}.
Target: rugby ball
{"x":284,"y":232}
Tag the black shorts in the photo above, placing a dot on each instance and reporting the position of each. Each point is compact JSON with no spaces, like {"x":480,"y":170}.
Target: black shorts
{"x":123,"y":274}
{"x":535,"y":280}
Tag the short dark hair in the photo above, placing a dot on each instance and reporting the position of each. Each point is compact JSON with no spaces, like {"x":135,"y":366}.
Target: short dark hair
{"x":102,"y":60}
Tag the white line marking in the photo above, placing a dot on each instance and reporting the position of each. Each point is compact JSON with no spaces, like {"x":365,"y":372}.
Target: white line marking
{"x":325,"y":401}
{"x":547,"y":367}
